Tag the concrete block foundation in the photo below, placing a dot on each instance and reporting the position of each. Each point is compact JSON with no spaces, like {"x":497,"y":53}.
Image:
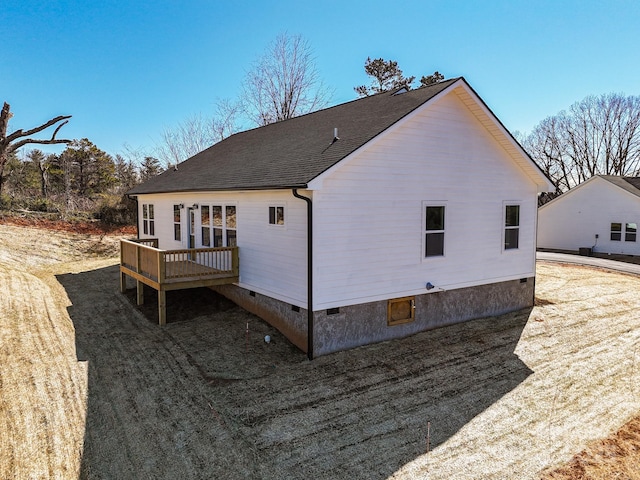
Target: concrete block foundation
{"x":355,"y":325}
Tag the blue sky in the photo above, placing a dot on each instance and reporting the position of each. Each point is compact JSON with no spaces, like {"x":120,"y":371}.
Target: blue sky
{"x":127,"y":69}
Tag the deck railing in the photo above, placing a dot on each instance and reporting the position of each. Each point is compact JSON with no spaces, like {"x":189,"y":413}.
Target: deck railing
{"x":167,"y":266}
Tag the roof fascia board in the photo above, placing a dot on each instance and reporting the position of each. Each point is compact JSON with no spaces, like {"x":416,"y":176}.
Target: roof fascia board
{"x":316,"y":183}
{"x":543,"y":182}
{"x":222,"y":190}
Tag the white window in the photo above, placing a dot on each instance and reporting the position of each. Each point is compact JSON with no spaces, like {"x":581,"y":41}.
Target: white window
{"x":148,"y":221}
{"x":218,"y":224}
{"x":616,"y":232}
{"x":630,"y":231}
{"x":276,"y":215}
{"x":177,"y":234}
{"x":511,"y":226}
{"x":434,"y":216}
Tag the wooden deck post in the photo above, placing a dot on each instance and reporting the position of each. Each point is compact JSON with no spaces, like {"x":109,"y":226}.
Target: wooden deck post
{"x":162,"y":295}
{"x":235,"y":261}
{"x":123,"y":276}
{"x":162,"y":307}
{"x":139,"y":292}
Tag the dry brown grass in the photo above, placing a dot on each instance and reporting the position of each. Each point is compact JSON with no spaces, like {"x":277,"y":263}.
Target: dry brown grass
{"x":615,"y":457}
{"x":90,"y":388}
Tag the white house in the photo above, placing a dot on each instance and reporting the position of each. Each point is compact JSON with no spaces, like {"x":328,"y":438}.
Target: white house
{"x":602,"y":213}
{"x":370,"y":220}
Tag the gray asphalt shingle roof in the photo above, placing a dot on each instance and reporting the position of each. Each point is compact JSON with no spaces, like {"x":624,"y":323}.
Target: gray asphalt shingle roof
{"x":291,"y":153}
{"x":630,"y":184}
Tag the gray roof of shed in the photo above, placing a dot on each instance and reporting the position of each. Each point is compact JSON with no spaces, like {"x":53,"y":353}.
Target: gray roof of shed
{"x":630,"y":184}
{"x":290,"y":153}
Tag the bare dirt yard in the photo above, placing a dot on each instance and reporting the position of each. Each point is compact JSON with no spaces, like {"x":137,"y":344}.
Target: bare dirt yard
{"x":91,"y":387}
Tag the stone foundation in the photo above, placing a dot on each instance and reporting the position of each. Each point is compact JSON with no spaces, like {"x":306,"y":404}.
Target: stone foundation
{"x":356,"y":325}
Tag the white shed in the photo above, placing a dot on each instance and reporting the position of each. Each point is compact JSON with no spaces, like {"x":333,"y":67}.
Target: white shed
{"x":601,"y":214}
{"x":363,"y":222}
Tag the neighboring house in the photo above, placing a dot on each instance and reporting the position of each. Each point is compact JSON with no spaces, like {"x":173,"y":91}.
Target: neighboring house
{"x":367,"y":221}
{"x":602,"y":213}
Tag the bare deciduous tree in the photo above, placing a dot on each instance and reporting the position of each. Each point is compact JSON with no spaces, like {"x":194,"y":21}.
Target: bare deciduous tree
{"x":596,"y":136}
{"x":12,"y":142}
{"x":197,"y":132}
{"x":284,"y":82}
{"x":185,"y":140}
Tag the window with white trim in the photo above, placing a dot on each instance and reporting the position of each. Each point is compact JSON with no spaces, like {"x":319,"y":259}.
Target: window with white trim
{"x":148,"y":220}
{"x":276,"y":215}
{"x":434,"y":230}
{"x":616,"y":231}
{"x":218,"y":223}
{"x":177,"y":233}
{"x":511,"y":226}
{"x":630,"y":232}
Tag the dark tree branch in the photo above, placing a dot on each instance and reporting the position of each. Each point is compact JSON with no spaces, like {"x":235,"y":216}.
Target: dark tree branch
{"x":52,"y":141}
{"x":53,"y":121}
{"x":10,"y":143}
{"x":22,"y":143}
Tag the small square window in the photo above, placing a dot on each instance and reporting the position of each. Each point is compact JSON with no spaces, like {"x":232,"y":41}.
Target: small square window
{"x":276,"y":215}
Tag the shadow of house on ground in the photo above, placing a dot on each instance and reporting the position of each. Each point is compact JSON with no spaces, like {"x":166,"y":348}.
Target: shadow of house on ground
{"x":201,"y":398}
{"x":181,"y":305}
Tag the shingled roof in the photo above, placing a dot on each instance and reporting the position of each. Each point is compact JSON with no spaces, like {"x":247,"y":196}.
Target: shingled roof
{"x":630,"y":184}
{"x":290,"y":153}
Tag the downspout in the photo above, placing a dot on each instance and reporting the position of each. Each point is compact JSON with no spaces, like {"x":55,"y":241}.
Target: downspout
{"x":135,"y":198}
{"x":309,"y":272}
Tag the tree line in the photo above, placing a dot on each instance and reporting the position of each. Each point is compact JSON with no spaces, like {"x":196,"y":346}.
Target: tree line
{"x":82,"y":178}
{"x":281,"y":84}
{"x":598,"y":135}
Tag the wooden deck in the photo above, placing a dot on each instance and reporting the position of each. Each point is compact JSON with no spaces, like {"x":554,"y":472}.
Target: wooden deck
{"x":165,"y":270}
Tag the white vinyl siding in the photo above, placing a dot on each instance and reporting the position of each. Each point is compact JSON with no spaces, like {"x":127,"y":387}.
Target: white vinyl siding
{"x":369,"y":212}
{"x":272,"y":260}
